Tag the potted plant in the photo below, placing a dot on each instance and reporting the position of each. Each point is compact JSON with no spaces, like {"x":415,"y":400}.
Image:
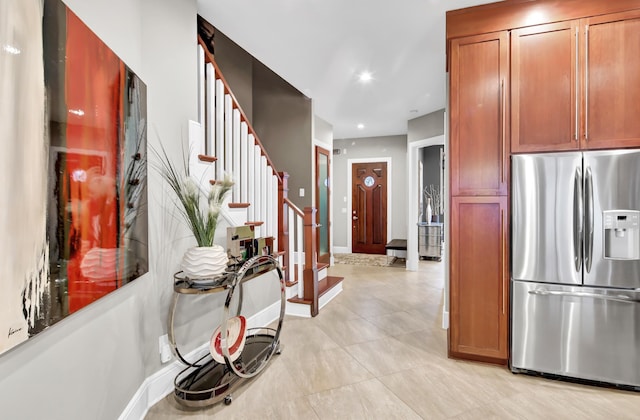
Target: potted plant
{"x":200,"y":210}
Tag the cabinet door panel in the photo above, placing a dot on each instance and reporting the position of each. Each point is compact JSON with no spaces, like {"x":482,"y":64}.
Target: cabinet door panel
{"x":479,"y":77}
{"x":479,"y":280}
{"x":544,"y":106}
{"x":612,"y":81}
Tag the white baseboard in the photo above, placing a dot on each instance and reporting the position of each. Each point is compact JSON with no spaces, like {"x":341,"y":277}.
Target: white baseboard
{"x":445,"y":319}
{"x":328,"y":297}
{"x":160,"y":384}
{"x":340,"y":249}
{"x":265,"y":316}
{"x":157,"y":386}
{"x":299,"y":309}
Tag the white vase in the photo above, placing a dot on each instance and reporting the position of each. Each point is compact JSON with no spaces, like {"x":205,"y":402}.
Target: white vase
{"x":201,"y":262}
{"x":429,"y":211}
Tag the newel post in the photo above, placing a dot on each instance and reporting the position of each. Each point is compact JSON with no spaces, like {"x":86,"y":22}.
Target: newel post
{"x":283,"y":224}
{"x":310,"y":259}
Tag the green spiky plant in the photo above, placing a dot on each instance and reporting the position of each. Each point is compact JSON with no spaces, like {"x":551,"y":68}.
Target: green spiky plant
{"x":200,"y":209}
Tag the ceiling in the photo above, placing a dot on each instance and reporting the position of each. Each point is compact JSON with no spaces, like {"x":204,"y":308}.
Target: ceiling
{"x":321,"y":46}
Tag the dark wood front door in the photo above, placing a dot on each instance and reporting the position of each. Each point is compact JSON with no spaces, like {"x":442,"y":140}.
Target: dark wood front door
{"x":369,"y":210}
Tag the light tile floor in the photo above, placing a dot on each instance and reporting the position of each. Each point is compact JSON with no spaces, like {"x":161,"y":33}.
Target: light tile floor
{"x":377,"y":351}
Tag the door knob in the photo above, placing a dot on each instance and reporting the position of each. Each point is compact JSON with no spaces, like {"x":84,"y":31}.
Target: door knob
{"x":355,"y":217}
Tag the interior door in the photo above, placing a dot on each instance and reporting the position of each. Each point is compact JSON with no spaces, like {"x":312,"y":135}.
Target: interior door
{"x":369,"y":207}
{"x":323,"y":203}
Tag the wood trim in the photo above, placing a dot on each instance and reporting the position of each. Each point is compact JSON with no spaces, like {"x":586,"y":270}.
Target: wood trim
{"x":477,"y":358}
{"x":236,"y":105}
{"x":324,"y":286}
{"x":206,"y":158}
{"x":290,"y":283}
{"x":327,"y":284}
{"x":239,"y":205}
{"x":514,"y":14}
{"x":310,"y":273}
{"x":322,"y":151}
{"x":253,"y":223}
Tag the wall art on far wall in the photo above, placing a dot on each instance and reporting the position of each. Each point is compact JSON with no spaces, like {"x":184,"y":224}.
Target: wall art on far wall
{"x":92,"y":142}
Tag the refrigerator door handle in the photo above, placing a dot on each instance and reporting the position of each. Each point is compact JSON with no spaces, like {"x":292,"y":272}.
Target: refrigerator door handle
{"x":616,"y":298}
{"x":588,"y":198}
{"x":578,"y":219}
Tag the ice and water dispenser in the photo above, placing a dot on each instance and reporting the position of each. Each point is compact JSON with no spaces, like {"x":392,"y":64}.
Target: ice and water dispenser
{"x":621,"y":234}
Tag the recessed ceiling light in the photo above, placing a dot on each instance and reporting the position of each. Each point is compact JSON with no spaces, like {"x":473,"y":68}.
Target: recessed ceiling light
{"x":365,"y":77}
{"x":360,"y":126}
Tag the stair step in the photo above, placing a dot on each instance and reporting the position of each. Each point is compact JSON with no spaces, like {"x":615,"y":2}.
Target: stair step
{"x":324,"y":286}
{"x":254,"y":223}
{"x":239,"y":205}
{"x":291,"y":283}
{"x":206,"y":158}
{"x":322,"y":266}
{"x":328,"y":283}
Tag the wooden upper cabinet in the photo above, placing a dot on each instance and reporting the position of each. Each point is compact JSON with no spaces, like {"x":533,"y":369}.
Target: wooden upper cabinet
{"x":479,"y":81}
{"x":611,"y":81}
{"x":544,"y":84}
{"x":479,"y":282}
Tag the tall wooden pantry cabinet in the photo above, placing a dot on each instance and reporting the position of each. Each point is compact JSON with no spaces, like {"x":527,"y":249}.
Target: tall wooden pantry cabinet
{"x":525,"y":76}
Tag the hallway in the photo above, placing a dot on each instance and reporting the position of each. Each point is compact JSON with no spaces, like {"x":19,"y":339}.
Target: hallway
{"x":378,"y":351}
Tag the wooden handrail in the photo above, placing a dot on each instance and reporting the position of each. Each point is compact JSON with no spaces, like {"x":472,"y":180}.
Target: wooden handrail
{"x":294,"y":207}
{"x":208,"y":58}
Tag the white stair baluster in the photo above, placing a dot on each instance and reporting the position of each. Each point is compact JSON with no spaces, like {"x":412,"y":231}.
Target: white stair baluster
{"x":300,"y":255}
{"x":201,"y":83}
{"x":210,"y":107}
{"x":219,"y":138}
{"x":228,"y":132}
{"x":264,"y":182}
{"x":257,"y":184}
{"x":235,"y":151}
{"x":243,"y":174}
{"x":251,"y":177}
{"x":275,"y":210}
{"x":290,"y":260}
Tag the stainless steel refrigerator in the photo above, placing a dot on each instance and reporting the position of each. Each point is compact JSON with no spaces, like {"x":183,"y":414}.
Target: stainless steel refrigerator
{"x":575,"y":267}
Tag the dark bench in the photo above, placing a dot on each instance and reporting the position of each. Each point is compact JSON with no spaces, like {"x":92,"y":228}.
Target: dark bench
{"x":396,"y":248}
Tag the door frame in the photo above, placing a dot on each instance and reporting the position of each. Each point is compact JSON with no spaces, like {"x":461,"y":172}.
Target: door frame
{"x":412,"y":201}
{"x":316,"y":150}
{"x":329,"y":147}
{"x":350,"y":163}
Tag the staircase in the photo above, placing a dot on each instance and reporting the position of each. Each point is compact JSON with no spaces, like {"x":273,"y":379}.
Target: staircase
{"x":223,"y":141}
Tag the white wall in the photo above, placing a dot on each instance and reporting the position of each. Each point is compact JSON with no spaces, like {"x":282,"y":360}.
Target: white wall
{"x":89,"y":365}
{"x":393,"y":147}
